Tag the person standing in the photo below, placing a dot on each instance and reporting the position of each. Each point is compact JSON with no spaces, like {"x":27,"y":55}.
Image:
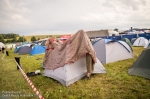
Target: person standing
{"x":3,"y":49}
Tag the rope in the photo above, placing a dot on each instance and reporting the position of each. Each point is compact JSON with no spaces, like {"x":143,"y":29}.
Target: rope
{"x":30,"y":83}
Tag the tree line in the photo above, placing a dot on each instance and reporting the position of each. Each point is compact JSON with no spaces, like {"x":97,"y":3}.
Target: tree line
{"x":11,"y":38}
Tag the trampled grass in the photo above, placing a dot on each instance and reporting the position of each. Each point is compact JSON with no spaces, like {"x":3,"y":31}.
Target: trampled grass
{"x":115,"y":84}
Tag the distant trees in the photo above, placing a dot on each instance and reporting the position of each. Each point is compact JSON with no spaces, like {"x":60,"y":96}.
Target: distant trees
{"x":10,"y":35}
{"x":21,"y":39}
{"x":116,"y":29}
{"x":33,"y":38}
{"x":38,"y":38}
{"x":2,"y":39}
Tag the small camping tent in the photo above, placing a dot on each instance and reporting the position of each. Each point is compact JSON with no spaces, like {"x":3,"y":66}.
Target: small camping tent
{"x":108,"y":51}
{"x":127,"y":41}
{"x":141,"y":67}
{"x":1,"y":45}
{"x":133,"y":40}
{"x":24,"y":50}
{"x":71,"y":73}
{"x":141,"y":41}
{"x":38,"y":49}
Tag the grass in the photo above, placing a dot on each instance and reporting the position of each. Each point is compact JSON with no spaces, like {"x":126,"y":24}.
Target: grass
{"x":28,"y":38}
{"x":115,"y":84}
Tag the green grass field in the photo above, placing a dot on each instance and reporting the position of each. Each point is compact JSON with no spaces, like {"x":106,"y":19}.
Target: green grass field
{"x":115,"y":84}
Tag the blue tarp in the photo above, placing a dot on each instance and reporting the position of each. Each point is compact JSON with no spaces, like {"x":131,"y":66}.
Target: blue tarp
{"x":38,"y":49}
{"x":129,"y":36}
{"x":145,"y":35}
{"x":114,"y":37}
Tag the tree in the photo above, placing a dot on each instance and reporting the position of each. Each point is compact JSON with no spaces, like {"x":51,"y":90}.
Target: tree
{"x":116,"y":29}
{"x":21,"y":39}
{"x":38,"y":38}
{"x":2,"y":39}
{"x":14,"y":40}
{"x":33,"y":38}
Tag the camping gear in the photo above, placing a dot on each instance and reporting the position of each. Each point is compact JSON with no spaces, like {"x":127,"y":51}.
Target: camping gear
{"x":18,"y":61}
{"x":24,"y":50}
{"x":67,"y":63}
{"x":141,"y":41}
{"x":38,"y":49}
{"x":141,"y":67}
{"x":74,"y":48}
{"x":108,"y":51}
{"x":71,"y":73}
{"x":1,"y":45}
{"x":7,"y":53}
{"x":127,"y":41}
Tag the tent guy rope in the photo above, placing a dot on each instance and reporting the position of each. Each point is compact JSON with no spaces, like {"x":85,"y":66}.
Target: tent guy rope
{"x":30,"y":83}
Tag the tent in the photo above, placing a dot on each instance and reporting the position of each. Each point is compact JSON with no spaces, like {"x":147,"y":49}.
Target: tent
{"x":38,"y":49}
{"x":17,"y":49}
{"x":127,"y":41}
{"x":133,"y":40}
{"x":67,"y":62}
{"x":43,"y":43}
{"x":141,"y":67}
{"x":1,"y":45}
{"x":24,"y":50}
{"x":113,"y":33}
{"x":129,"y":36}
{"x":108,"y":51}
{"x":141,"y":41}
{"x":71,"y":73}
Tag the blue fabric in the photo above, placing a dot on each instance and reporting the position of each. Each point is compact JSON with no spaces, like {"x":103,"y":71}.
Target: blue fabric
{"x":17,"y":49}
{"x":130,"y":36}
{"x":114,"y":37}
{"x":145,"y":35}
{"x":38,"y":49}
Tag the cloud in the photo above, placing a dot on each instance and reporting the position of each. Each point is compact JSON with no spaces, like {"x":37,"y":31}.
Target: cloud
{"x":67,"y":16}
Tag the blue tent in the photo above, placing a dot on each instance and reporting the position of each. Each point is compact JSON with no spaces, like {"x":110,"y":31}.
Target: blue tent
{"x":17,"y":49}
{"x":38,"y":49}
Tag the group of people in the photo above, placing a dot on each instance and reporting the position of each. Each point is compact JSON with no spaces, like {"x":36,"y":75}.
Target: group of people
{"x":52,"y":43}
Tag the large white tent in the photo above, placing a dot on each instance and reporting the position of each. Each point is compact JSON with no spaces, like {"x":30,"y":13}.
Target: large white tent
{"x":108,"y":51}
{"x":71,"y":73}
{"x":141,"y":41}
{"x":1,"y":45}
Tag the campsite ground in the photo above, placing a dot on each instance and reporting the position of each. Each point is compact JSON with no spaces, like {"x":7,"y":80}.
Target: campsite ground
{"x":115,"y":84}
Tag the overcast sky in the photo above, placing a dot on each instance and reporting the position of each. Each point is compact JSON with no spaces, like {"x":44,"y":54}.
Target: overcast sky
{"x":30,"y":17}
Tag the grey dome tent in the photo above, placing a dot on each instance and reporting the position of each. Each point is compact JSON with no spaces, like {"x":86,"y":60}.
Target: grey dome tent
{"x":109,"y":51}
{"x":141,"y":67}
{"x":25,"y":50}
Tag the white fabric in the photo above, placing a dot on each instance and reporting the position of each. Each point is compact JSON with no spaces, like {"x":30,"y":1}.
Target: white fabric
{"x":141,"y":41}
{"x":11,"y":45}
{"x":112,"y":51}
{"x":71,"y":73}
{"x":1,"y":45}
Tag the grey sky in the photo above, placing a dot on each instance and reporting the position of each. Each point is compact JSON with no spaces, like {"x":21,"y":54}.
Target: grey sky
{"x":30,"y":17}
